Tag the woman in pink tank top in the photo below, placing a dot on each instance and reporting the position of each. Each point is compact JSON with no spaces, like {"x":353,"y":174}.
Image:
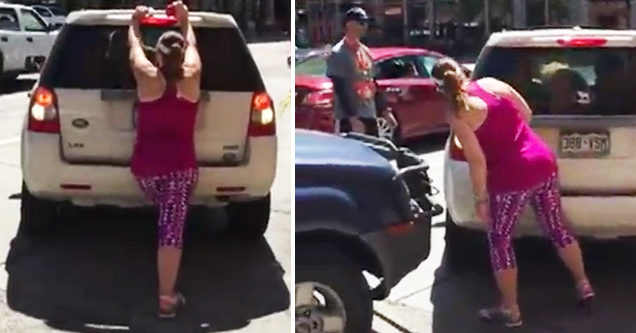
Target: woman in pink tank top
{"x":164,"y":160}
{"x":510,"y":166}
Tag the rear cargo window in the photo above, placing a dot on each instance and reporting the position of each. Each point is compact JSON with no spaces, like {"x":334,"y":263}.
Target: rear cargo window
{"x":562,"y":81}
{"x":96,"y":57}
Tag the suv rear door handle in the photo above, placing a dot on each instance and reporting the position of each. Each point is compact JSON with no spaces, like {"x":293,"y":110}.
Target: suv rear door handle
{"x":4,"y":39}
{"x":29,"y":39}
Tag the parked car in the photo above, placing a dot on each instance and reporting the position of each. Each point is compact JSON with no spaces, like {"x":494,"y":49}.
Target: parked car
{"x":81,"y":124}
{"x":25,"y":40}
{"x":362,"y":204}
{"x":53,"y":15}
{"x":592,"y":136}
{"x":404,"y":76}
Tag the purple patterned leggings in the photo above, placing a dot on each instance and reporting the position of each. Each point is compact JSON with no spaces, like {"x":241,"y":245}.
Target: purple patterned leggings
{"x":505,"y":210}
{"x":171,"y":193}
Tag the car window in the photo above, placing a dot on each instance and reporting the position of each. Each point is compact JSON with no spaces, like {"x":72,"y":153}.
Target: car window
{"x":33,"y":22}
{"x":9,"y":19}
{"x":427,"y":63}
{"x":96,"y":57}
{"x":315,"y":66}
{"x":565,"y":80}
{"x":57,"y":11}
{"x":398,"y":68}
{"x":43,"y":11}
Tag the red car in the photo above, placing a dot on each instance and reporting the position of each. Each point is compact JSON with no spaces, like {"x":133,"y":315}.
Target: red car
{"x":404,"y":75}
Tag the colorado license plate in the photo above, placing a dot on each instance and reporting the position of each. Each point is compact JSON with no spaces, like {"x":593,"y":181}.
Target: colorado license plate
{"x":584,"y":144}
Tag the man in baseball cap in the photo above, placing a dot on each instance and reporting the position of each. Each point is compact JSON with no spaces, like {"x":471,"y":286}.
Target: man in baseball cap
{"x":352,"y":71}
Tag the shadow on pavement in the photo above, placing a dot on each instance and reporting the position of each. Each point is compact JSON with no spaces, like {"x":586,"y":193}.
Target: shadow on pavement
{"x":546,"y":292}
{"x":428,"y":144}
{"x":103,"y":273}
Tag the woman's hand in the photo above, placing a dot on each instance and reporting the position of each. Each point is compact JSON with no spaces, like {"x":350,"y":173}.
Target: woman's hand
{"x":140,"y":13}
{"x":483,"y":210}
{"x":390,"y":118}
{"x":181,"y":11}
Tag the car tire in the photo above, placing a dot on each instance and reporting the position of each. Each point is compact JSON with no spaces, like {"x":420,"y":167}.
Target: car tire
{"x":249,"y":219}
{"x":465,"y":249}
{"x":325,"y":265}
{"x":38,"y":217}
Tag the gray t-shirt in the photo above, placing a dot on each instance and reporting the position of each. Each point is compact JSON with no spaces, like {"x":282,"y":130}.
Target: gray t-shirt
{"x":342,"y":63}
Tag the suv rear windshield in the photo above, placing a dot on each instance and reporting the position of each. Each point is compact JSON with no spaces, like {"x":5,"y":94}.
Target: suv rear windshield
{"x":96,"y":57}
{"x":562,"y":81}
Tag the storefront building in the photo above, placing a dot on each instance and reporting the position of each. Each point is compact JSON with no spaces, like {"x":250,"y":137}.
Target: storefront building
{"x":422,"y":22}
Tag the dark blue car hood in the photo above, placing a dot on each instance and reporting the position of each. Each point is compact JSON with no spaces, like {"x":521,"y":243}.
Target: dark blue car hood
{"x":326,"y":155}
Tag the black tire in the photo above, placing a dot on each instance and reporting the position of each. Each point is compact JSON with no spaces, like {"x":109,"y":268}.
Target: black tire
{"x":327,"y":266}
{"x":38,"y":217}
{"x":249,"y":219}
{"x":465,"y":249}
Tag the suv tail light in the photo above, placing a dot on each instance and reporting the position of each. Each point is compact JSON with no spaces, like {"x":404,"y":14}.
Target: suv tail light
{"x":455,"y":151}
{"x":43,"y":112}
{"x":262,"y":117}
{"x":582,"y":42}
{"x":319,"y":99}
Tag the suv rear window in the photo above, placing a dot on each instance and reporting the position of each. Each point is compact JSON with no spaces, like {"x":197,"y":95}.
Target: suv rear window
{"x":96,"y":57}
{"x":562,"y":81}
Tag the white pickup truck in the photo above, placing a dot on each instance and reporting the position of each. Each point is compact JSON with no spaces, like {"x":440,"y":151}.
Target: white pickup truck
{"x":25,"y":40}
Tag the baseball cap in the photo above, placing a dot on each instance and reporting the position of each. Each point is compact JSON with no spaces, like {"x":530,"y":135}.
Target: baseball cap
{"x":356,"y":14}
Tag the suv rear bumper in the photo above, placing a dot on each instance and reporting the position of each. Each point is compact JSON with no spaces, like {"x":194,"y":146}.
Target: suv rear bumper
{"x":399,"y":253}
{"x":600,"y":217}
{"x":44,"y":171}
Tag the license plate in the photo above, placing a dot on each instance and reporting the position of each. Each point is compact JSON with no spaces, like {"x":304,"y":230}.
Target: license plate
{"x":584,"y":144}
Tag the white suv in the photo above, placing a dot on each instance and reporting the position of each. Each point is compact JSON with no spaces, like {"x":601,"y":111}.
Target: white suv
{"x":79,"y":131}
{"x":577,"y":83}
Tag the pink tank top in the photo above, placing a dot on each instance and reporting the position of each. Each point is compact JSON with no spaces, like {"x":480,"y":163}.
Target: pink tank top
{"x":517,"y":158}
{"x":165,"y":135}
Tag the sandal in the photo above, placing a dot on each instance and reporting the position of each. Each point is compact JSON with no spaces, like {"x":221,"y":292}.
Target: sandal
{"x":586,"y":297}
{"x":502,"y":316}
{"x":169,"y":305}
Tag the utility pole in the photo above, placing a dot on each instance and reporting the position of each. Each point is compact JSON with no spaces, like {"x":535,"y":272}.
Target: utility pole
{"x":405,"y":22}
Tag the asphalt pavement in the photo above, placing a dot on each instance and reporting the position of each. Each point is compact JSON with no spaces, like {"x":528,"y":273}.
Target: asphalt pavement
{"x":100,"y":277}
{"x":435,"y":299}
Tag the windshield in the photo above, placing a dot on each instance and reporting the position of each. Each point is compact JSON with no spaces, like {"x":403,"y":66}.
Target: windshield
{"x":57,"y":11}
{"x":313,"y":66}
{"x":42,"y":11}
{"x":580,"y":81}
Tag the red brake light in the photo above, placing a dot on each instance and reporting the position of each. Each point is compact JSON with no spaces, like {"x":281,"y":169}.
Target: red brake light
{"x":262,"y":117}
{"x":319,"y":99}
{"x":43,"y":112}
{"x":159,"y":21}
{"x":455,"y":151}
{"x":582,"y":41}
